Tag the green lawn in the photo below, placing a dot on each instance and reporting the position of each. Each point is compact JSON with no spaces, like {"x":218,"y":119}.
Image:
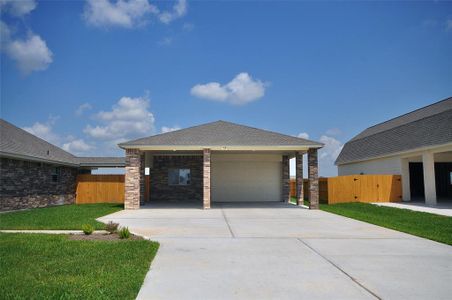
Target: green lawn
{"x":430,"y":226}
{"x":58,"y":217}
{"x":40,"y":266}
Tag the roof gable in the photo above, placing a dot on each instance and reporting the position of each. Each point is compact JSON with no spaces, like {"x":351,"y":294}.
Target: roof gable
{"x":221,"y":133}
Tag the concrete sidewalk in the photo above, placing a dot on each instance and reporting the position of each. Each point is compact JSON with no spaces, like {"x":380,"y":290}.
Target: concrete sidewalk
{"x":444,"y":209}
{"x":279,"y":251}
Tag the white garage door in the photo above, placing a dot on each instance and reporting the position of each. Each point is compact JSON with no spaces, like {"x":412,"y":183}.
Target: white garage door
{"x":245,"y":178}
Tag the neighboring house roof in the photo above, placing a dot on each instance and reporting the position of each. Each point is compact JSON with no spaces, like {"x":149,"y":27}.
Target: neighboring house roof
{"x":18,"y":143}
{"x":221,"y":134}
{"x":424,"y":127}
{"x":102,"y":161}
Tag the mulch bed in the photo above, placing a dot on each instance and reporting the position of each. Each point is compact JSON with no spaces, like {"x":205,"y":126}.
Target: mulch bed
{"x":102,"y":237}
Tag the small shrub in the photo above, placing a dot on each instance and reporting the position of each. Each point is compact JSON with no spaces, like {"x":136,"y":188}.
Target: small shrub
{"x":87,"y":229}
{"x":111,"y":227}
{"x":124,"y":233}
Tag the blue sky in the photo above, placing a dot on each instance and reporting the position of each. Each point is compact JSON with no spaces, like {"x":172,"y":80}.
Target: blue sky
{"x":87,"y":74}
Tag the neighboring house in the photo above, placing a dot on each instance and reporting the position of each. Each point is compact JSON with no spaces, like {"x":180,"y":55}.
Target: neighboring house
{"x":35,"y":173}
{"x":217,"y":162}
{"x":417,"y":145}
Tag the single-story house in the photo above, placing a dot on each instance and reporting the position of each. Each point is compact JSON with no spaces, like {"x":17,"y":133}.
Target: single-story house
{"x":35,"y":173}
{"x":217,"y":162}
{"x":416,"y":145}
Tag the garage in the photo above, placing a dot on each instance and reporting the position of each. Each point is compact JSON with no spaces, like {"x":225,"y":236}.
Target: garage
{"x":217,"y":162}
{"x":246,"y":177}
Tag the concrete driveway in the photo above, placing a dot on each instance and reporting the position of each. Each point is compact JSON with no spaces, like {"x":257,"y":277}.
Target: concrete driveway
{"x":280,"y":251}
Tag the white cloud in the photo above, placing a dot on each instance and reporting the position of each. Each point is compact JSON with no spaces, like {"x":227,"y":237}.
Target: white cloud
{"x":188,"y":26}
{"x":179,"y":10}
{"x":5,"y":34}
{"x":128,"y":14}
{"x":129,"y":118}
{"x":165,"y":41}
{"x":77,"y":146}
{"x":82,"y":108}
{"x":18,"y":8}
{"x":45,"y":130}
{"x":303,"y":135}
{"x":240,"y":90}
{"x":449,"y":25}
{"x":326,"y":156}
{"x":30,"y":54}
{"x":334,"y":131}
{"x":166,"y":129}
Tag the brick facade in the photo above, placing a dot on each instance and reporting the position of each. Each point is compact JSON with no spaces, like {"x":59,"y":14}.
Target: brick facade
{"x":313,"y":174}
{"x":160,"y":190}
{"x":206,"y":178}
{"x":299,"y":177}
{"x":285,"y":179}
{"x":133,"y":180}
{"x":26,"y":184}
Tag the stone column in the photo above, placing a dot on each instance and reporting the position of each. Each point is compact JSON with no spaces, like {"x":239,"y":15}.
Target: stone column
{"x":206,"y":179}
{"x":142,"y":186}
{"x":132,"y":179}
{"x":299,"y":177}
{"x":285,"y":179}
{"x":428,"y":163}
{"x":406,"y":193}
{"x":313,"y":174}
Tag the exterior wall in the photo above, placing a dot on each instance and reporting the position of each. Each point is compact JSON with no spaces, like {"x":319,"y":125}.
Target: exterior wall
{"x":162,"y":191}
{"x":246,"y":177}
{"x":390,"y":166}
{"x":26,"y":184}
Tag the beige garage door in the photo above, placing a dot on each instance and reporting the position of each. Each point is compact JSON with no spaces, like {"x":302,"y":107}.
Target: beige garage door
{"x":246,"y":178}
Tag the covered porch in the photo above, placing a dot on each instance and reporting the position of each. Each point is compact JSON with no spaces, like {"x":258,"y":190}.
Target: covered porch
{"x":427,"y":177}
{"x":202,"y":177}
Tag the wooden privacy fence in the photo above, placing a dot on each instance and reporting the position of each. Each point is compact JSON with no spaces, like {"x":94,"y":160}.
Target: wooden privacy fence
{"x":323,"y":189}
{"x":364,"y":188}
{"x":99,"y":189}
{"x":340,"y":189}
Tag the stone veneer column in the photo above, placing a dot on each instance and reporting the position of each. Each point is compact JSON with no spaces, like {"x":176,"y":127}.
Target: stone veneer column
{"x":299,"y":177}
{"x":285,"y":179}
{"x":206,"y":179}
{"x":313,"y":173}
{"x":142,"y":186}
{"x":132,"y":179}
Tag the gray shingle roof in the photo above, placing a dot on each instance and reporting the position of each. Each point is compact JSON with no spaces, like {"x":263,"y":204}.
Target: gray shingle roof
{"x":102,"y":161}
{"x":16,"y":142}
{"x":427,"y":126}
{"x":221,"y":133}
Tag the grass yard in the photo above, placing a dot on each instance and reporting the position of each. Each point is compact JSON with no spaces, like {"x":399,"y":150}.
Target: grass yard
{"x":59,"y":217}
{"x":40,"y":266}
{"x":426,"y":225}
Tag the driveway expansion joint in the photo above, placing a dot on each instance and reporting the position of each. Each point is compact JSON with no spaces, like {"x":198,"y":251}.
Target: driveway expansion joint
{"x":340,"y":269}
{"x":227,"y":223}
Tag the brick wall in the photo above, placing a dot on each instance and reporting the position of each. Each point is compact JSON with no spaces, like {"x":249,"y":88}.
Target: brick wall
{"x":26,"y":184}
{"x":162,"y":191}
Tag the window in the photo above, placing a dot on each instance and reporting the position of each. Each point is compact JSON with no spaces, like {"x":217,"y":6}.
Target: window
{"x":179,"y":177}
{"x":55,"y":174}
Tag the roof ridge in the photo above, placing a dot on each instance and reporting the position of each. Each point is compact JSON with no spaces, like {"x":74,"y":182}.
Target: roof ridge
{"x":163,"y":133}
{"x":405,"y":114}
